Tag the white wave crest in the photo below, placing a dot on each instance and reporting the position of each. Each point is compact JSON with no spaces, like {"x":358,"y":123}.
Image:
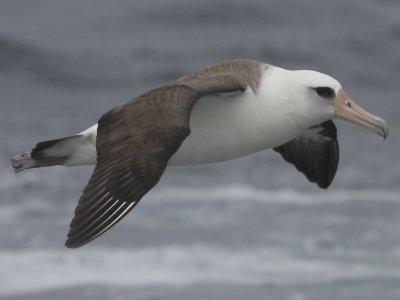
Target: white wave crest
{"x":175,"y":266}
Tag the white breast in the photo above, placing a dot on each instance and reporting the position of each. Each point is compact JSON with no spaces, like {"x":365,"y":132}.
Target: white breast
{"x":230,"y":126}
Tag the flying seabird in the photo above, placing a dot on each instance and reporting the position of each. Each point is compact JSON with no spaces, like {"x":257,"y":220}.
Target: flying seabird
{"x":221,"y":112}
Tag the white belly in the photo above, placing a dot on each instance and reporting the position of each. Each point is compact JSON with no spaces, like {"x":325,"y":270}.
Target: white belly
{"x":227,"y":127}
{"x":223,"y":128}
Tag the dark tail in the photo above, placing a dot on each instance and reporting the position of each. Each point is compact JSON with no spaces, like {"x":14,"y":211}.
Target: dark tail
{"x":44,"y":154}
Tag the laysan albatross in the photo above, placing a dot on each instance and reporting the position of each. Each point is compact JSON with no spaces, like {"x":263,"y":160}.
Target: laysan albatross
{"x":221,"y":112}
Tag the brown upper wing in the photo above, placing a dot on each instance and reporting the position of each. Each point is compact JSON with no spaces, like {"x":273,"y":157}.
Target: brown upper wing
{"x":315,"y":154}
{"x":135,"y":142}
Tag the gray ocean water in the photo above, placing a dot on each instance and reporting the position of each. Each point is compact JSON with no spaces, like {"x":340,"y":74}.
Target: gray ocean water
{"x":251,"y":228}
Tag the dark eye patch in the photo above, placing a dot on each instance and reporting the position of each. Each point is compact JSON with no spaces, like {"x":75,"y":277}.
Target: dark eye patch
{"x":325,"y":92}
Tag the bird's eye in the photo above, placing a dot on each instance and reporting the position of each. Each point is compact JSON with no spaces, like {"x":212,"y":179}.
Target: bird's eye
{"x":325,"y":92}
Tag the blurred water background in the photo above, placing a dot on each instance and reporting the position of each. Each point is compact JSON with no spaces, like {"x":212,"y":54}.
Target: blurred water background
{"x":250,"y":228}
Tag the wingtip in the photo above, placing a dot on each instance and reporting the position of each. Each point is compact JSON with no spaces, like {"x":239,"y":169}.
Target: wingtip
{"x":73,"y":242}
{"x":15,"y":165}
{"x":22,"y":162}
{"x":73,"y":245}
{"x":324,"y":184}
{"x":69,"y":246}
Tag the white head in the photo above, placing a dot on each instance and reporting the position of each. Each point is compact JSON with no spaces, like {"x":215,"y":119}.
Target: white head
{"x":324,"y":98}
